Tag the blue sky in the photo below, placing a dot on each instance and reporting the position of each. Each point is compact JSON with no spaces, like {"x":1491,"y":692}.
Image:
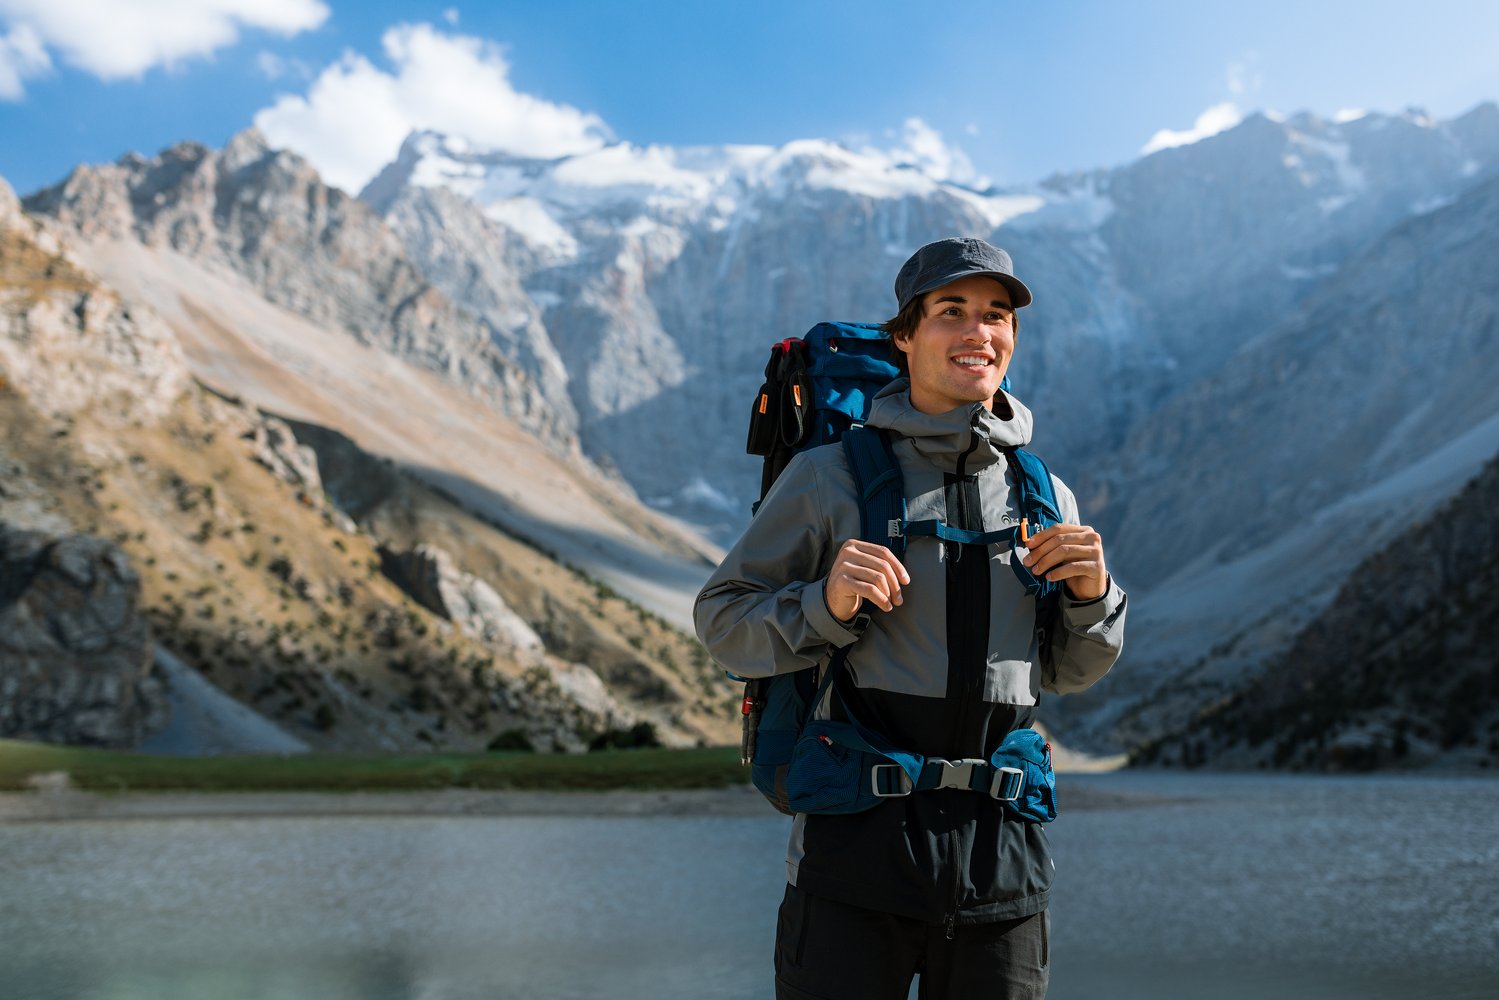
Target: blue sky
{"x":1006,"y":91}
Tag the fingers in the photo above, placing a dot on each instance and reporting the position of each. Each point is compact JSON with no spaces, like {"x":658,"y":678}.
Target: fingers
{"x":864,"y":571}
{"x":1069,"y":552}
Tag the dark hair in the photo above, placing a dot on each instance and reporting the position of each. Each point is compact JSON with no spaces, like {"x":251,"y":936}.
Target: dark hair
{"x":905,"y":322}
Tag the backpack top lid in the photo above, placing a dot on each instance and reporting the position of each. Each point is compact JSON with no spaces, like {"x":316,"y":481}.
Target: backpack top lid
{"x":848,"y":364}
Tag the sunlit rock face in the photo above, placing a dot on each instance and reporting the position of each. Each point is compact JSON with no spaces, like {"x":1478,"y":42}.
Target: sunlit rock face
{"x":306,"y":247}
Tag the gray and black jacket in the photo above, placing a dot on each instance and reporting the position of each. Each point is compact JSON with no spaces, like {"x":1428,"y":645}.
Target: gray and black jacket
{"x":947,"y":673}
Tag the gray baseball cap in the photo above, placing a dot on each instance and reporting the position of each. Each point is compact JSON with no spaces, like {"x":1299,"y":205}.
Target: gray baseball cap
{"x":936,"y":264}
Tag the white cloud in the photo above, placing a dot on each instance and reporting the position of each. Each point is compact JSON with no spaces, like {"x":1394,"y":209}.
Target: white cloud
{"x":923,"y":147}
{"x":451,"y":16}
{"x":1218,"y":118}
{"x":21,"y":56}
{"x":355,"y":116}
{"x":113,"y":39}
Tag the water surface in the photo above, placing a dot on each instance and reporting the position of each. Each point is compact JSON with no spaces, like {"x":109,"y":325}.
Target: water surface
{"x":1230,"y":886}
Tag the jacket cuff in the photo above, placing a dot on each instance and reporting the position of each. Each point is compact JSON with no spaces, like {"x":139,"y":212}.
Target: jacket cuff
{"x":1085,"y":613}
{"x":815,"y":609}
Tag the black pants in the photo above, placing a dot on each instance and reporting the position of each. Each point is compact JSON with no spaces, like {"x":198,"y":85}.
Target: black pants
{"x":827,"y":950}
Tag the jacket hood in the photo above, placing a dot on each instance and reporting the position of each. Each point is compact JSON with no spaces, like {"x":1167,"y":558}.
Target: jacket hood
{"x":944,"y":438}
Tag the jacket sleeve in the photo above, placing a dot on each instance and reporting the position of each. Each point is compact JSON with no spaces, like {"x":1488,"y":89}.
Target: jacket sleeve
{"x":1088,"y":635}
{"x":762,"y":612}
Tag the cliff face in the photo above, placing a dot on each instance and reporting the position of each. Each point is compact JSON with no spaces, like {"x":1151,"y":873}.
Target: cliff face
{"x":1400,"y":669}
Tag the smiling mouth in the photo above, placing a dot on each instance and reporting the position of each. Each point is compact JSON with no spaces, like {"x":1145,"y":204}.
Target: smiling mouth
{"x":974,"y":362}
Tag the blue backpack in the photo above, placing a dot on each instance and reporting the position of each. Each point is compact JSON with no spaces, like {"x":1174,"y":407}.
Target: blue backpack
{"x":818,"y":391}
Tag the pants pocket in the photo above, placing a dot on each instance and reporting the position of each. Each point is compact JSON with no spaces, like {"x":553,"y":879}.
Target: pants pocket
{"x":1045,"y":937}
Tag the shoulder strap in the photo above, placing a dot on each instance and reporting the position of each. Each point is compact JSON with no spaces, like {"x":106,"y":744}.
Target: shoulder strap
{"x":1038,"y":497}
{"x":882,"y":509}
{"x":880,"y":487}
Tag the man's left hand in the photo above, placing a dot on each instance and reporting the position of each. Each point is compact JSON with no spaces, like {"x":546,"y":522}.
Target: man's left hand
{"x":1072,"y":554}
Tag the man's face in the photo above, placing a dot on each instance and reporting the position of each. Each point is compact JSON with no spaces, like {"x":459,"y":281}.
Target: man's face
{"x":962,"y":346}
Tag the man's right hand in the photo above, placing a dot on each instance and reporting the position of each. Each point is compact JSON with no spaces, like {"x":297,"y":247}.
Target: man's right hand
{"x":863,"y":571}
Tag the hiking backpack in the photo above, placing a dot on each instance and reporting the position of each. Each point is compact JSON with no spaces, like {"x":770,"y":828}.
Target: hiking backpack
{"x":817,"y":391}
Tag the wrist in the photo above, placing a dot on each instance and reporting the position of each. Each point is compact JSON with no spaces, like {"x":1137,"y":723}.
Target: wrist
{"x":845,"y":619}
{"x":1087,"y":594}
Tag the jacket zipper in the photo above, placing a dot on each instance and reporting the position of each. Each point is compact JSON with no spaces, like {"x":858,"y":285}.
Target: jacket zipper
{"x":972,"y":680}
{"x":968,"y":685}
{"x":973,"y":445}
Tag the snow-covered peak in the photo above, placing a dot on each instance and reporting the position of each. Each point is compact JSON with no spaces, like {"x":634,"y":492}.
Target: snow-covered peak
{"x":544,"y":201}
{"x":1323,"y":159}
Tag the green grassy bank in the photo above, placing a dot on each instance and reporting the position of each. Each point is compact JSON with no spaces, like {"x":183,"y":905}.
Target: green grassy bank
{"x":116,"y":771}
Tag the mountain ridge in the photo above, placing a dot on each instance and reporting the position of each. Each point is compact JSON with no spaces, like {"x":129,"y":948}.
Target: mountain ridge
{"x":1213,"y":356}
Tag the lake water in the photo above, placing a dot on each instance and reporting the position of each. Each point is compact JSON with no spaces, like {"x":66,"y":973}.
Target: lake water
{"x":1208,"y":886}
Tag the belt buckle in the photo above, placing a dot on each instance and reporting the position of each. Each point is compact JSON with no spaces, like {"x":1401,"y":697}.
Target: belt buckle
{"x":958,"y":773}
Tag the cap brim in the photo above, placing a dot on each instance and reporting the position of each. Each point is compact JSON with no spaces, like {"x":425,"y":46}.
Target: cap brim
{"x":1020,"y":296}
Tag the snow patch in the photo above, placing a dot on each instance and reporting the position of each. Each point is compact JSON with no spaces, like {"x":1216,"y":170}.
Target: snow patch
{"x":1424,"y":205}
{"x":623,"y":168}
{"x":530,"y":220}
{"x":1079,"y":208}
{"x":1218,"y":118}
{"x":437,"y":170}
{"x":829,"y":166}
{"x":1000,"y":209}
{"x":1331,"y":204}
{"x":1309,"y":151}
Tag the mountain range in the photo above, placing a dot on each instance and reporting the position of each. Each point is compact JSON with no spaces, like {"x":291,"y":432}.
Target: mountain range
{"x":1254,"y":358}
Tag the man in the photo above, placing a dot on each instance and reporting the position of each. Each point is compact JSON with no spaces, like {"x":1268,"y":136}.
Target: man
{"x":945,"y":660}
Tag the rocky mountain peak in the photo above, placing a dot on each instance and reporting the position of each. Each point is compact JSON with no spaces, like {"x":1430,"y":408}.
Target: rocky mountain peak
{"x":244,"y":148}
{"x":309,"y":248}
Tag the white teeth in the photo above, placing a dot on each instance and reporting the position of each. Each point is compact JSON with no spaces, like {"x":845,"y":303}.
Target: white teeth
{"x":969,"y":359}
